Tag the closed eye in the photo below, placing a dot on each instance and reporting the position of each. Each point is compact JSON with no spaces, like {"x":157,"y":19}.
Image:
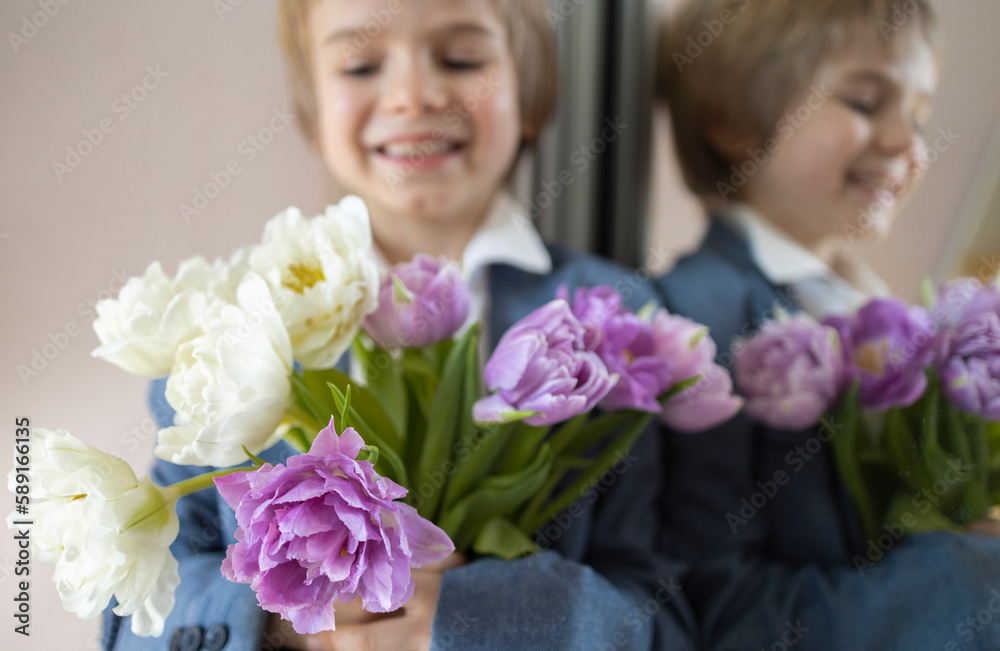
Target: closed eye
{"x":462,"y":64}
{"x":864,"y":107}
{"x":361,"y":70}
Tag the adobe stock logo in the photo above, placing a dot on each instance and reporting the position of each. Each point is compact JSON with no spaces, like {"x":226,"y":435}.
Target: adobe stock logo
{"x":31,"y":26}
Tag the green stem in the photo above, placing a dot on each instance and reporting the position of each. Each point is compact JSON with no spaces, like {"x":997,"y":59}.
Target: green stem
{"x":300,"y":417}
{"x":565,"y":434}
{"x":559,"y":470}
{"x":608,"y":457}
{"x":313,"y":406}
{"x":201,"y":482}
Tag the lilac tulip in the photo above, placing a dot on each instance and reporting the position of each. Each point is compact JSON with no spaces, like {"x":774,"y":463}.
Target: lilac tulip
{"x":627,"y":346}
{"x":958,"y":301}
{"x":707,"y":403}
{"x":973,"y":385}
{"x":790,"y":372}
{"x":968,"y":347}
{"x":421,"y":302}
{"x":545,"y":365}
{"x":326,"y":528}
{"x":650,"y":358}
{"x":889,"y":346}
{"x":685,"y":343}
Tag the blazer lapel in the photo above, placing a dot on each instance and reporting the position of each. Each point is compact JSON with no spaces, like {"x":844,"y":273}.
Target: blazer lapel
{"x":761,"y":299}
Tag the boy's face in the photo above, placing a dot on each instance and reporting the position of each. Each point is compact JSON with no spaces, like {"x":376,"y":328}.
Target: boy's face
{"x":850,"y":147}
{"x":418,"y":105}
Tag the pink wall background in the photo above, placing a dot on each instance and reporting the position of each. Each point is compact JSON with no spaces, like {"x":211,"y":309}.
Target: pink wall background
{"x":67,"y":237}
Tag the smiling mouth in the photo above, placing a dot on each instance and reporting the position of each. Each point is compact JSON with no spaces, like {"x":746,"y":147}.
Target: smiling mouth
{"x":418,"y":149}
{"x":882,"y":190}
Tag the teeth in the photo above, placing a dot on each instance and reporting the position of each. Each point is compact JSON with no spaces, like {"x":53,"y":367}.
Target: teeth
{"x":885,"y":191}
{"x":877,"y":184}
{"x":412,"y":149}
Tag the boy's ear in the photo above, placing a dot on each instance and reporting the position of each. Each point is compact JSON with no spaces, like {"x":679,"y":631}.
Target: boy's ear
{"x":731,"y":142}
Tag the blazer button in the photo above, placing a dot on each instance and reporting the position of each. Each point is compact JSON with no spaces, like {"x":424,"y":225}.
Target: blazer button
{"x":191,"y":640}
{"x":216,"y":637}
{"x":175,"y":639}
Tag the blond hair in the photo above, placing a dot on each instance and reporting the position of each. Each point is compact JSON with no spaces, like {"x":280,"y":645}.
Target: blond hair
{"x":741,"y":63}
{"x":531,"y":40}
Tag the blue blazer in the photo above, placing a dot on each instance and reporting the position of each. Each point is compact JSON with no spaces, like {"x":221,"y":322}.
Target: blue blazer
{"x":777,"y":558}
{"x":601,"y":583}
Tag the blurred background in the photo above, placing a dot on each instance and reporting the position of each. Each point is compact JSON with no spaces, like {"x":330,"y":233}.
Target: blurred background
{"x":117,"y":114}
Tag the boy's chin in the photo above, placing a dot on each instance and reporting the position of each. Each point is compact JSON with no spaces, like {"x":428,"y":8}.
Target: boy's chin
{"x":425,"y":207}
{"x":868,"y":227}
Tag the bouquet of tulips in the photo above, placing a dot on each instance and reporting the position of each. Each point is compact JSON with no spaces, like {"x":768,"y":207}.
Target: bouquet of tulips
{"x":909,"y":397}
{"x":399,"y":456}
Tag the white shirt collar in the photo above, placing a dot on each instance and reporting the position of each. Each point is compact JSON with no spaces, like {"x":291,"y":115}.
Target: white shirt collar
{"x":781,"y":259}
{"x":506,"y":236}
{"x":818,"y":289}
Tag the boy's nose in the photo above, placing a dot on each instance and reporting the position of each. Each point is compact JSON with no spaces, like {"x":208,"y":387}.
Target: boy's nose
{"x":413,"y":91}
{"x":897,"y":134}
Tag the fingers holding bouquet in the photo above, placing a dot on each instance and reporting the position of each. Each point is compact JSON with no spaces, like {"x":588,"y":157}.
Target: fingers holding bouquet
{"x":406,"y":629}
{"x":989,"y":526}
{"x":385,"y":474}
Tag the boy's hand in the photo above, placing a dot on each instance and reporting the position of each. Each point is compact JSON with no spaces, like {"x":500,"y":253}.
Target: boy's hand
{"x":989,"y":526}
{"x":407,"y":629}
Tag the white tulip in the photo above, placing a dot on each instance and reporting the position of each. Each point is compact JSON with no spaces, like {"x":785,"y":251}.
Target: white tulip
{"x":230,"y":386}
{"x":141,"y":329}
{"x":105,"y":532}
{"x":323,"y":277}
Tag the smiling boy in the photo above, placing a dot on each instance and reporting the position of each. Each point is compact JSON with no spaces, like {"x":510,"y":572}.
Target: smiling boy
{"x":420,"y":107}
{"x":801,"y":129}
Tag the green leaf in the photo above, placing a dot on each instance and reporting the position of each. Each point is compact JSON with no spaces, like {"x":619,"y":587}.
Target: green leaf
{"x":345,"y":408}
{"x":648,"y":311}
{"x":581,"y":433}
{"x":440,"y":352}
{"x":416,"y":433}
{"x":366,"y":405}
{"x":498,"y":495}
{"x":307,"y":402}
{"x":384,"y":378}
{"x":559,"y":469}
{"x":967,"y":436}
{"x":474,"y":458}
{"x":393,"y":468}
{"x":677,"y":388}
{"x":500,"y":537}
{"x":302,"y":418}
{"x":845,"y":451}
{"x":942,"y":467}
{"x":477,"y":447}
{"x":445,"y":422}
{"x":928,"y":293}
{"x":992,"y":433}
{"x":530,"y":521}
{"x":371,"y":454}
{"x":917,"y":520}
{"x":420,"y":377}
{"x":507,"y":417}
{"x":521,"y":446}
{"x":904,"y":451}
{"x":298,"y":439}
{"x":401,"y":295}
